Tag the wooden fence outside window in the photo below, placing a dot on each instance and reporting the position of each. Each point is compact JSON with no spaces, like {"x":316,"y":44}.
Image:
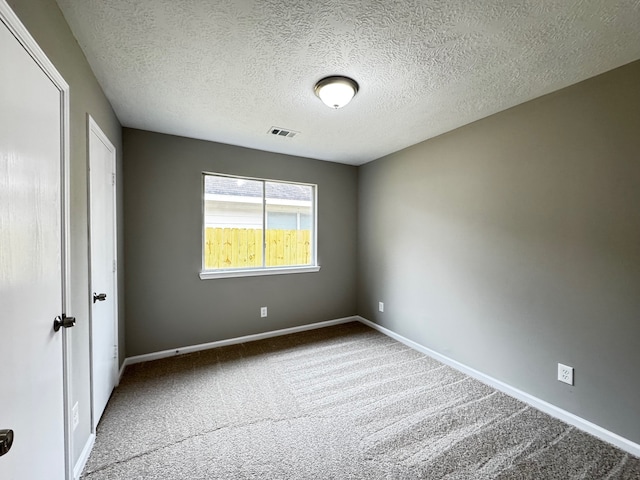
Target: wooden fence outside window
{"x":242,"y":248}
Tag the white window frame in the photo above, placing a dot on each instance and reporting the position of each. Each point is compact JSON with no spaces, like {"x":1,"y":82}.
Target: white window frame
{"x":264,"y":270}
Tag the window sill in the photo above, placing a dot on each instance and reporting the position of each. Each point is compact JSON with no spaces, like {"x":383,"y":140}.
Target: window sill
{"x":210,"y":274}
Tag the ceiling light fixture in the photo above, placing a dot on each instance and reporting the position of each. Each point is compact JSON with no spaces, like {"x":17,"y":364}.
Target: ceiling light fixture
{"x":336,"y":92}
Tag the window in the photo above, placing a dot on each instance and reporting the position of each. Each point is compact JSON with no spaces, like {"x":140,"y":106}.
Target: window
{"x":257,"y":227}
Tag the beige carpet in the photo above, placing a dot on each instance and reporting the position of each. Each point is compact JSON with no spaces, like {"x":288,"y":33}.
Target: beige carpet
{"x":343,"y":402}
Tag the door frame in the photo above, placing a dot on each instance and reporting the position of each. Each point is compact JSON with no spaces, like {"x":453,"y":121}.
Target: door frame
{"x":93,"y":127}
{"x":20,"y":32}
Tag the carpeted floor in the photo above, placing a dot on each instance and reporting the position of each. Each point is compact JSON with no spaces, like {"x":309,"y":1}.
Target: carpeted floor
{"x":344,"y":402}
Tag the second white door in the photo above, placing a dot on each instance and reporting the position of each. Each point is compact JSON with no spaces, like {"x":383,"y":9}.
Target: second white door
{"x":102,"y":220}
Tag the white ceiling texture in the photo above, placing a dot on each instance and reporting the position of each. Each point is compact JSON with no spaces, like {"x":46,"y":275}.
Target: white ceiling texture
{"x":229,"y":70}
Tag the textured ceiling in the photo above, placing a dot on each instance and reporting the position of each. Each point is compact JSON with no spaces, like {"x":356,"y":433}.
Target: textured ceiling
{"x":228,"y":70}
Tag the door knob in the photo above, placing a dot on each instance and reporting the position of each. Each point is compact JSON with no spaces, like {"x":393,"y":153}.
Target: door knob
{"x":64,"y":321}
{"x":99,"y":297}
{"x":6,"y":440}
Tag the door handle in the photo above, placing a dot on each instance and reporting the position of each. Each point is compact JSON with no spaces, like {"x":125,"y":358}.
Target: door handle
{"x":6,"y":440}
{"x":99,"y":297}
{"x":64,"y":321}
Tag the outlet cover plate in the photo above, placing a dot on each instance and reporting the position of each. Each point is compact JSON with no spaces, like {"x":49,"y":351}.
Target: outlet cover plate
{"x":565,"y":374}
{"x":381,"y":306}
{"x":263,"y":312}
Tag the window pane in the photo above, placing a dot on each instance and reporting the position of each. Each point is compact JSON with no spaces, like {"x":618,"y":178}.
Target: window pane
{"x":306,"y":221}
{"x":233,"y":222}
{"x":254,"y":224}
{"x":289,"y":233}
{"x":282,"y":220}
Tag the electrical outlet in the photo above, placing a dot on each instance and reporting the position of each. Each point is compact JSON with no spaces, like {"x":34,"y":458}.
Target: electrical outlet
{"x":263,"y":312}
{"x":565,"y":374}
{"x":381,"y":306}
{"x":75,"y":415}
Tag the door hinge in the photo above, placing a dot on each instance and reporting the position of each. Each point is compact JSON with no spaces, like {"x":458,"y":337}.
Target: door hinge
{"x":114,"y":266}
{"x":115,"y":351}
{"x":113,"y":179}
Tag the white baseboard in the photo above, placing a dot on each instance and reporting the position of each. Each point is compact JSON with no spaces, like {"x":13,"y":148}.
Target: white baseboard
{"x":122,"y":368}
{"x":232,"y":341}
{"x":84,"y":456}
{"x":546,"y":407}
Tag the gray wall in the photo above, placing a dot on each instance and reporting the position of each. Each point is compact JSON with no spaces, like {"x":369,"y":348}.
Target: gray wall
{"x":46,"y":24}
{"x":167,"y":305}
{"x":513,"y":243}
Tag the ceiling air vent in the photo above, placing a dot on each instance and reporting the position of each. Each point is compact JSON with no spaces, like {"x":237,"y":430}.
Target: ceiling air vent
{"x":282,"y":132}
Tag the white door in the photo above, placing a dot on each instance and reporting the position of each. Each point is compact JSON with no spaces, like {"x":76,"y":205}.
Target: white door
{"x":31,"y":260}
{"x":102,"y":221}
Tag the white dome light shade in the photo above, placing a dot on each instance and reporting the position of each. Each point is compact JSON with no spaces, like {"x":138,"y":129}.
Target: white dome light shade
{"x":336,"y":92}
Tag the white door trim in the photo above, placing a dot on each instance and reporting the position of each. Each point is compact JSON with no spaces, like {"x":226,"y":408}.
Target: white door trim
{"x":15,"y":26}
{"x":93,"y":127}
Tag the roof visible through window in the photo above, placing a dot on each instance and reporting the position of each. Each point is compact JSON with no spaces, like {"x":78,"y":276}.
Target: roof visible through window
{"x":219,"y":185}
